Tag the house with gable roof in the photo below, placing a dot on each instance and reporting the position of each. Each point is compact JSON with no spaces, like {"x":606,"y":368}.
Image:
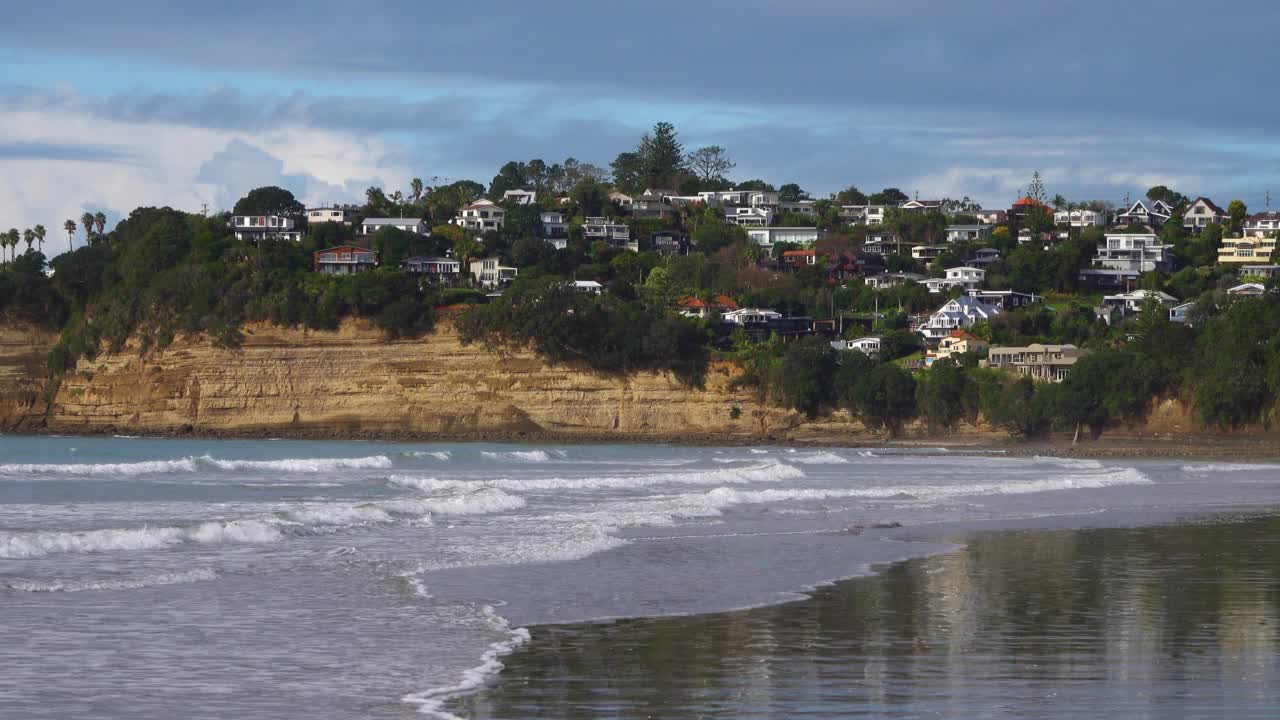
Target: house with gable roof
{"x":961,"y":313}
{"x":1152,"y":214}
{"x":1201,"y":214}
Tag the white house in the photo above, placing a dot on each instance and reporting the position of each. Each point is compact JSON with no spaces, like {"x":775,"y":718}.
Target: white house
{"x":992,"y":217}
{"x":962,"y":233}
{"x":620,"y":198}
{"x":1202,"y":213}
{"x":863,"y":214}
{"x":254,"y":228}
{"x":1140,"y":213}
{"x":1261,"y":225}
{"x":748,"y":216}
{"x":728,"y":197}
{"x":1248,"y":290}
{"x":1127,"y":304}
{"x":520,"y":197}
{"x":441,"y":269}
{"x":481,"y":216}
{"x":884,"y":281}
{"x":614,"y":234}
{"x":767,"y":236}
{"x":590,"y":287}
{"x":799,"y":207}
{"x":1181,"y":313}
{"x":959,"y":314}
{"x":922,"y":205}
{"x":869,"y":346}
{"x":1133,"y":253}
{"x":964,"y":276}
{"x":927,"y":252}
{"x":372,"y":225}
{"x":1080,"y":218}
{"x":491,"y":273}
{"x":750,"y":316}
{"x":554,"y":226}
{"x":334,"y":213}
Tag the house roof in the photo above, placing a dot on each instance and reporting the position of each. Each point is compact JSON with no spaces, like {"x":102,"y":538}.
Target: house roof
{"x":964,"y":335}
{"x":1211,"y":205}
{"x":482,"y":205}
{"x":347,"y":248}
{"x":799,"y":253}
{"x":719,"y":301}
{"x":1247,"y":288}
{"x":426,"y":259}
{"x":1269,"y":215}
{"x":392,"y":221}
{"x":1028,"y":200}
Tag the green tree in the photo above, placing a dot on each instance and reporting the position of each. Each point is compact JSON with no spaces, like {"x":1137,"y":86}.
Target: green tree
{"x":40,"y":234}
{"x":1172,"y":198}
{"x":1236,"y":213}
{"x":940,"y":394}
{"x":791,"y":192}
{"x":70,"y":227}
{"x":885,"y":398}
{"x":99,"y":222}
{"x":269,"y":200}
{"x":662,"y":155}
{"x":889,"y":196}
{"x":86,"y":223}
{"x":709,"y":163}
{"x":808,"y":366}
{"x":851,"y":196}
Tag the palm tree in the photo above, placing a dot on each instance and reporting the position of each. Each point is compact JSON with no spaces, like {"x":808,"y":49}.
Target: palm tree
{"x":40,"y":233}
{"x":11,"y":241}
{"x":28,"y":237}
{"x":86,"y":222}
{"x":99,"y":222}
{"x":70,"y":227}
{"x":415,"y":187}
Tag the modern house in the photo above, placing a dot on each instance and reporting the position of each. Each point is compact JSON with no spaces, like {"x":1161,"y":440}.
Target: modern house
{"x":968,"y":233}
{"x":1128,"y":304}
{"x":767,"y":236}
{"x":961,"y":313}
{"x":554,"y":226}
{"x":443,"y":270}
{"x":1138,"y":253}
{"x":255,"y":228}
{"x":750,"y":316}
{"x":1152,"y":214}
{"x":670,"y":242}
{"x":652,"y":207}
{"x":748,"y":216}
{"x":1005,"y":299}
{"x":1261,"y":225}
{"x":1248,"y":290}
{"x":1051,"y":363}
{"x":344,"y":260}
{"x":343,"y":214}
{"x":964,"y":277}
{"x":1250,"y":250}
{"x":698,"y":308}
{"x":490,"y":273}
{"x":1080,"y":218}
{"x":984,"y":258}
{"x":991,"y":217}
{"x":1202,"y":213}
{"x":481,"y":216}
{"x":798,"y":207}
{"x":371,"y":226}
{"x":863,"y":214}
{"x":927,"y":252}
{"x":869,"y":346}
{"x":520,"y":197}
{"x":884,"y":281}
{"x":613,"y":234}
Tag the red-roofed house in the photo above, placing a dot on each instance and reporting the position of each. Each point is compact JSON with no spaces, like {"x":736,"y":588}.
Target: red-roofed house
{"x":696,"y":307}
{"x":344,"y":260}
{"x":796,"y":258}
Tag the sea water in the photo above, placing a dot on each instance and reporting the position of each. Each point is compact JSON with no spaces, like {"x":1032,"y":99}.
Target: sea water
{"x":159,"y":578}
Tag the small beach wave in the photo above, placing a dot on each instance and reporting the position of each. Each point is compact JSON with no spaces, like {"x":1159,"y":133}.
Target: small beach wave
{"x":54,"y":586}
{"x":529,"y":456}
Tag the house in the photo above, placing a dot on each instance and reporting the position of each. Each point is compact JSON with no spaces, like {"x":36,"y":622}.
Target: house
{"x":1127,"y":304}
{"x":1018,"y":212}
{"x":481,"y":216}
{"x":869,"y":346}
{"x":1080,"y":218}
{"x":343,"y":214}
{"x":344,"y":260}
{"x":520,"y":197}
{"x":652,"y":207}
{"x":927,"y":252}
{"x":1248,"y":290}
{"x":670,"y":242}
{"x":371,"y":226}
{"x":696,"y":307}
{"x":958,"y":342}
{"x":748,"y":216}
{"x":1202,"y":213}
{"x":964,"y":276}
{"x":768,"y":236}
{"x":621,"y":199}
{"x":1140,"y":213}
{"x":798,"y":207}
{"x":1259,"y":271}
{"x":961,"y":313}
{"x":613,"y":234}
{"x":884,"y":281}
{"x":443,"y":270}
{"x":882,"y":243}
{"x":750,"y":316}
{"x":799,"y":258}
{"x":1246,"y":250}
{"x":1262,"y":225}
{"x":991,"y":217}
{"x":1138,"y":253}
{"x":984,"y":258}
{"x":255,"y":228}
{"x":554,"y":226}
{"x":491,"y":274}
{"x":863,"y":214}
{"x":656,"y":194}
{"x":1005,"y":299}
{"x":589,"y":287}
{"x":1181,"y":313}
{"x":737,"y":198}
{"x":1051,"y":363}
{"x":922,"y":205}
{"x":968,"y":233}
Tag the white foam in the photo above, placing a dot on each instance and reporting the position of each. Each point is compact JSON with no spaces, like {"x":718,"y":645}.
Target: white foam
{"x":757,"y":451}
{"x":1068,"y":462}
{"x":531,"y":456}
{"x":338,"y":514}
{"x":133,"y":468}
{"x":431,"y":702}
{"x":438,"y":454}
{"x":40,"y":544}
{"x":822,"y":458}
{"x":761,"y":473}
{"x":175,"y":578}
{"x":481,"y":502}
{"x":302,"y":465}
{"x":1212,"y":468}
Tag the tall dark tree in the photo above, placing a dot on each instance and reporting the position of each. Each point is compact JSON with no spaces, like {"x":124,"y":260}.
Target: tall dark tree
{"x":889,"y":196}
{"x":791,"y":192}
{"x":269,"y":200}
{"x":662,"y":154}
{"x":709,"y":163}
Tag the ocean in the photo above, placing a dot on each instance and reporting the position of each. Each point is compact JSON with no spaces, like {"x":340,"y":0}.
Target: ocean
{"x":162,"y":578}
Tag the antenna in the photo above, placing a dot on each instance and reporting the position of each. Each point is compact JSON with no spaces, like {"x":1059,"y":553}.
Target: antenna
{"x":204,"y":209}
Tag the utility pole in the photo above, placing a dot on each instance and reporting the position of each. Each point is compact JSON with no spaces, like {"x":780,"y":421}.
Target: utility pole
{"x":204,"y":209}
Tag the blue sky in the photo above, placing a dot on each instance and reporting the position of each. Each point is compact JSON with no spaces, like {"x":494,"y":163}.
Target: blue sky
{"x":107,"y":106}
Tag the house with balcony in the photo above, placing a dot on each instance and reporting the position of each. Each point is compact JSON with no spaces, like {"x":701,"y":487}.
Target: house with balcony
{"x":968,"y":233}
{"x":344,"y":260}
{"x":1246,"y":251}
{"x":728,"y":198}
{"x":520,"y":197}
{"x":1122,"y":258}
{"x":370,"y":226}
{"x":1124,"y":305}
{"x":961,"y":313}
{"x":885,"y":281}
{"x":652,"y":207}
{"x":768,"y":236}
{"x":1080,"y":218}
{"x":751,"y":316}
{"x":554,"y":226}
{"x":965,"y":277}
{"x":491,"y":274}
{"x":984,"y":258}
{"x":1048,"y":363}
{"x":1005,"y":299}
{"x":1245,"y":290}
{"x":918,"y":205}
{"x":611,"y":233}
{"x":1153,"y":214}
{"x":869,"y":346}
{"x":863,"y":214}
{"x":1262,"y":225}
{"x":955,"y":344}
{"x":481,"y":216}
{"x":703,"y":309}
{"x":796,"y":259}
{"x":256,"y":228}
{"x":797,"y":207}
{"x":748,"y":216}
{"x":670,"y":242}
{"x":927,"y":252}
{"x":1201,"y":214}
{"x":445,"y":271}
{"x":341,"y":214}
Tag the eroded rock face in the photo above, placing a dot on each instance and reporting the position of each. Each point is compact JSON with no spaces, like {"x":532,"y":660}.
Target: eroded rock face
{"x":354,"y":381}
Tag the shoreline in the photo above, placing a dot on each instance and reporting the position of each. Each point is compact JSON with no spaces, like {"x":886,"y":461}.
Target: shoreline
{"x":1116,"y":446}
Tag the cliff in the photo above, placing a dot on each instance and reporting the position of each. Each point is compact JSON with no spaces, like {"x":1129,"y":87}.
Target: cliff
{"x":354,"y":382}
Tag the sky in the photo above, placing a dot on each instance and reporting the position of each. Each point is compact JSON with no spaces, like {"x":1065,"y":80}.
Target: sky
{"x":109,"y":106}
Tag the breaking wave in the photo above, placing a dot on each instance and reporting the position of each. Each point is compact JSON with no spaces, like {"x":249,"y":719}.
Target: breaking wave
{"x":437,"y":454}
{"x":134,"y":468}
{"x":174,"y":578}
{"x":770,"y":472}
{"x":194,"y":464}
{"x":1211,"y":468}
{"x":531,"y":456}
{"x":822,"y":458}
{"x":40,"y":544}
{"x":1068,"y":462}
{"x":373,"y":462}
